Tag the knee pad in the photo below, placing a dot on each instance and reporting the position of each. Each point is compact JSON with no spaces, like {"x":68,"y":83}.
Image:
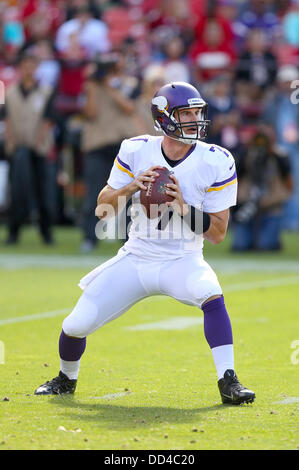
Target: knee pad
{"x":83,"y":319}
{"x":203,"y":289}
{"x":72,"y":327}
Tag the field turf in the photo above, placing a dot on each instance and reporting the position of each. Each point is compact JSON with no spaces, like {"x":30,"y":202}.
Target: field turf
{"x":147,"y":380}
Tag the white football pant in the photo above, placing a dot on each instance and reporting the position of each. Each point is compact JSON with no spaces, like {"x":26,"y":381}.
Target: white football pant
{"x":112,"y":288}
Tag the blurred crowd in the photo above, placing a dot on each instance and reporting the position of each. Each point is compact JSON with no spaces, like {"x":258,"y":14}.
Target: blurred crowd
{"x":78,"y":76}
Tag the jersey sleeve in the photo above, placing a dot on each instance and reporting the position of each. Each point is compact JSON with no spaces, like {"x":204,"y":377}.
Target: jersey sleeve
{"x":222,"y":193}
{"x":121,"y":173}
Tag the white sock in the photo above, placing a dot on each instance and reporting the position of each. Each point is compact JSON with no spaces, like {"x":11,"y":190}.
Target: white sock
{"x":223,"y":358}
{"x":70,"y":368}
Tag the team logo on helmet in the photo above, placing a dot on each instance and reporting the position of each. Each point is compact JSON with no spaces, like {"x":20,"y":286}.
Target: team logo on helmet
{"x":161,"y":103}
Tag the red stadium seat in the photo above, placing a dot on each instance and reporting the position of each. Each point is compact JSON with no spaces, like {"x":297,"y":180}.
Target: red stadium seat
{"x":119,"y":22}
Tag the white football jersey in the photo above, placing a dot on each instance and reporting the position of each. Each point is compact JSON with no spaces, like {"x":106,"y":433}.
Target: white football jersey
{"x":208,"y":181}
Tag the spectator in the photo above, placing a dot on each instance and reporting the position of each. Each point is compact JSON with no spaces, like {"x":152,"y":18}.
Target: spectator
{"x":264,"y":186}
{"x":223,"y":114}
{"x":212,"y":53}
{"x":258,"y":14}
{"x":48,"y":70}
{"x":123,"y":79}
{"x":108,"y":120}
{"x":166,"y":18}
{"x":136,"y":55}
{"x":41,"y":19}
{"x":28,"y":140}
{"x":287,"y":49}
{"x":72,"y":63}
{"x":283,"y":115}
{"x":13,"y":31}
{"x":169,"y":14}
{"x":77,"y":41}
{"x":91,"y":34}
{"x":290,"y":26}
{"x":225,"y":24}
{"x":95,"y":7}
{"x":176,"y":66}
{"x":8,"y":65}
{"x":229,"y":10}
{"x":153,"y":80}
{"x":257,"y":64}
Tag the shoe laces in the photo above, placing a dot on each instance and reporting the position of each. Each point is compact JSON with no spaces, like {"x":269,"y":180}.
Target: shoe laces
{"x":59,"y":381}
{"x":56,"y":380}
{"x":232,"y":380}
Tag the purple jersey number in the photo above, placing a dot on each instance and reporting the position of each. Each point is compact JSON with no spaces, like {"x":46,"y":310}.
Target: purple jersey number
{"x":214,"y":147}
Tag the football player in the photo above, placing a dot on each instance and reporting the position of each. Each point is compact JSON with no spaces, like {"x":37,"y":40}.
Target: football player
{"x":160,"y":259}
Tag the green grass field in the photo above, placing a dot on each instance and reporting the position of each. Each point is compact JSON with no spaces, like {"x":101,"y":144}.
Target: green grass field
{"x":144,"y":384}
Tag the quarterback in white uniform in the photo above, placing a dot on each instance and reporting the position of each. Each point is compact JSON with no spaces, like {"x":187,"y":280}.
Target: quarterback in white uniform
{"x":162,"y":258}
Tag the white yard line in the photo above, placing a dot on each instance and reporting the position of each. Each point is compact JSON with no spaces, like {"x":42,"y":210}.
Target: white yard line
{"x":112,"y":396}
{"x":287,"y":401}
{"x":37,"y":316}
{"x":174,"y":323}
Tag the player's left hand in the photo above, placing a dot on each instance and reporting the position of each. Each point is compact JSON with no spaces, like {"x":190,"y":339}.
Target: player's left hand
{"x":179,"y":205}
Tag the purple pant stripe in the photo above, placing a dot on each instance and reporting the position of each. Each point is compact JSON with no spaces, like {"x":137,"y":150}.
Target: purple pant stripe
{"x":217,"y":326}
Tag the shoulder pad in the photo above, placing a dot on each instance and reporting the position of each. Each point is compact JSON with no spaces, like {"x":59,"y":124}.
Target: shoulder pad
{"x":134,"y":144}
{"x":216,"y":155}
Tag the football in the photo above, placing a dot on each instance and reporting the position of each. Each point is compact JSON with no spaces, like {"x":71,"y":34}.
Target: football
{"x":155,"y":194}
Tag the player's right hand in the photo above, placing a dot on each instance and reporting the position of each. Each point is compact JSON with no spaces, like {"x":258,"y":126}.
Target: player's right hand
{"x":148,"y":175}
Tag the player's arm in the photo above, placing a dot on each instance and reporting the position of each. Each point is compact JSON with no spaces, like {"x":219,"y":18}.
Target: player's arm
{"x":218,"y":227}
{"x":212,"y":225}
{"x":116,"y":199}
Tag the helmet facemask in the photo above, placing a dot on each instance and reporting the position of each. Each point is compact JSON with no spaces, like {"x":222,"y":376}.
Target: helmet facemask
{"x":172,"y":126}
{"x":199,"y":126}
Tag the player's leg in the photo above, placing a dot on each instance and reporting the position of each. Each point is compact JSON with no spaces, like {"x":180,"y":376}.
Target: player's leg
{"x":218,"y":333}
{"x":191,"y":280}
{"x":110,"y":294}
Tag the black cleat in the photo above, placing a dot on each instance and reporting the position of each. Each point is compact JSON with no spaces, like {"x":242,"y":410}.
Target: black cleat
{"x":232,"y":391}
{"x":57,"y":386}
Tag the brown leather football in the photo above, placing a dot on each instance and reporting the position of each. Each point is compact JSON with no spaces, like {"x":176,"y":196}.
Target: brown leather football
{"x":155,"y":195}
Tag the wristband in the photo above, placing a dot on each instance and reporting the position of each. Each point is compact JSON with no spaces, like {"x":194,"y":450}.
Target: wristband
{"x":198,"y":221}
